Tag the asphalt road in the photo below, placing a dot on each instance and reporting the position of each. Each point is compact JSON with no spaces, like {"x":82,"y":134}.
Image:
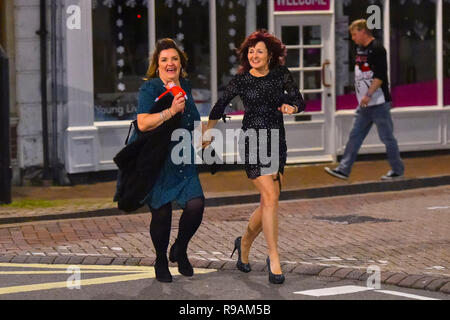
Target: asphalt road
{"x":60,"y":282}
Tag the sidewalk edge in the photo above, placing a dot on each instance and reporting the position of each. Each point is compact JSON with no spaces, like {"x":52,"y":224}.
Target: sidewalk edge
{"x":297,"y":194}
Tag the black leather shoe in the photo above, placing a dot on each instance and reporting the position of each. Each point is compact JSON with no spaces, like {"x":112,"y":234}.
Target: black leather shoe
{"x":180,"y":256}
{"x":274,"y":278}
{"x":244,"y":267}
{"x":162,"y":270}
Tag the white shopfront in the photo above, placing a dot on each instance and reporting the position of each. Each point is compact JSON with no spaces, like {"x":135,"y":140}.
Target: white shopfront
{"x":102,"y":90}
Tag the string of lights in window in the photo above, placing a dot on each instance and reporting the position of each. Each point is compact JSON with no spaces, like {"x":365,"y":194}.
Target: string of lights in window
{"x":178,"y":4}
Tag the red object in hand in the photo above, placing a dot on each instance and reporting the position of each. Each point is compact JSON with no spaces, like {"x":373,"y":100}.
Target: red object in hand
{"x":174,"y":89}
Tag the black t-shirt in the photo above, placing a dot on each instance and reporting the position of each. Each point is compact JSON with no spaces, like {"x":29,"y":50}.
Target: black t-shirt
{"x":371,"y":62}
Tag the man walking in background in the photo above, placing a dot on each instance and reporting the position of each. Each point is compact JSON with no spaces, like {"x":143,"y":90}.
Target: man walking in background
{"x":372,"y":91}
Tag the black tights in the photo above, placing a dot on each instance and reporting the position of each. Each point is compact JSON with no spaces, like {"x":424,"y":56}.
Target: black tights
{"x":162,"y":221}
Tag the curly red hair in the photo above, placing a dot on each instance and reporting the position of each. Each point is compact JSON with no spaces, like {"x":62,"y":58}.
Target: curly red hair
{"x":277,"y":50}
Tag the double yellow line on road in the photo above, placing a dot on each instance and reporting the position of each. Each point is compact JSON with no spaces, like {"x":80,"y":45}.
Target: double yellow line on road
{"x":132,"y":274}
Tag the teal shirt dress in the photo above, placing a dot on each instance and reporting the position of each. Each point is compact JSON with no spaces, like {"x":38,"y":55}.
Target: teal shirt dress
{"x":176,"y":182}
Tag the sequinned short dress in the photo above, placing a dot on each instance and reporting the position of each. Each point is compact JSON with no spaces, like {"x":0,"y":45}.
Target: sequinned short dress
{"x":262,"y":143}
{"x":176,"y":182}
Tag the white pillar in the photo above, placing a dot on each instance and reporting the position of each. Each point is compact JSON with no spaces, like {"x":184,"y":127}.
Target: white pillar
{"x":213,"y":49}
{"x":387,"y":36}
{"x":250,"y":18}
{"x":439,"y":52}
{"x":81,"y":136}
{"x":271,"y":16}
{"x":151,"y":25}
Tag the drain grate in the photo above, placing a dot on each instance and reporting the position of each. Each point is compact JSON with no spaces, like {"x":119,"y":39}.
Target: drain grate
{"x":352,"y":219}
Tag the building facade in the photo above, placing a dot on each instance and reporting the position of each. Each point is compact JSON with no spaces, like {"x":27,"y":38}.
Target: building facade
{"x":99,"y":54}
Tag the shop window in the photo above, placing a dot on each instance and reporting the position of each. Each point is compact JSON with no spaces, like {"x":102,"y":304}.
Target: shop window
{"x":304,"y":53}
{"x":187,"y":22}
{"x":231,"y":21}
{"x":347,"y":12}
{"x":120,"y":53}
{"x":413,"y":53}
{"x":446,"y":53}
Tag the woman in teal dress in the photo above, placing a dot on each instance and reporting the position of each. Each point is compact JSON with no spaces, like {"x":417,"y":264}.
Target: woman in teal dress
{"x":176,"y":182}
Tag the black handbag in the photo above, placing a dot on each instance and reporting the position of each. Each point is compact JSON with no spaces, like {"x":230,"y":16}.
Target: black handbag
{"x":140,"y":161}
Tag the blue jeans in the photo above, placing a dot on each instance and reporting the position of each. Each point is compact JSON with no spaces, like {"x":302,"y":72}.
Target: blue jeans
{"x":364,"y":118}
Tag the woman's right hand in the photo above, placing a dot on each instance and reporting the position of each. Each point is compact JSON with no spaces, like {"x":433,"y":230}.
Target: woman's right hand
{"x":178,"y":104}
{"x":206,"y":136}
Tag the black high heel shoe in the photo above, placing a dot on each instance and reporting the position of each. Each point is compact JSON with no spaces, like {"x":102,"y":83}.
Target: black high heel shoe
{"x":162,"y":270}
{"x":184,"y":266}
{"x":274,"y":278}
{"x":244,"y":267}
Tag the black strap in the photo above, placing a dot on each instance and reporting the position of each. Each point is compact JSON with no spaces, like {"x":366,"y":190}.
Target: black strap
{"x":132,"y":124}
{"x":225,"y":117}
{"x":278,"y":179}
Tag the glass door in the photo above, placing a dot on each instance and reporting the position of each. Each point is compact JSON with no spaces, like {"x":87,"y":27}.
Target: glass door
{"x":304,"y":60}
{"x":308,"y":40}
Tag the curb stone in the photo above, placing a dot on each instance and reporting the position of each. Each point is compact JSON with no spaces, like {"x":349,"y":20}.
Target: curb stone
{"x":437,"y":284}
{"x":422,"y":283}
{"x":386,"y":275}
{"x":364,"y":277}
{"x":295,"y":194}
{"x":342,"y":273}
{"x":396,"y":278}
{"x":310,"y":270}
{"x":429,"y":283}
{"x":329,"y":272}
{"x":445,"y":288}
{"x":355,"y":274}
{"x":410,"y":280}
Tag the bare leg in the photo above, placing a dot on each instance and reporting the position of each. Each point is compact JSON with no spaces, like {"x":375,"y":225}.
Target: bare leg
{"x":254,"y":226}
{"x":266,"y":218}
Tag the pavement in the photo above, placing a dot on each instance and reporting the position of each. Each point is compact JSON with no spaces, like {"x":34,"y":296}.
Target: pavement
{"x":328,"y":227}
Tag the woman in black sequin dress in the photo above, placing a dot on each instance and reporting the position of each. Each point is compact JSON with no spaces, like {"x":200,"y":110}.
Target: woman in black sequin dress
{"x":268,"y":91}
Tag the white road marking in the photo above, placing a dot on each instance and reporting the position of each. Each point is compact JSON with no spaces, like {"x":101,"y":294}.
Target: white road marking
{"x":406,"y":295}
{"x":437,"y":208}
{"x":437,"y":267}
{"x":333,"y":291}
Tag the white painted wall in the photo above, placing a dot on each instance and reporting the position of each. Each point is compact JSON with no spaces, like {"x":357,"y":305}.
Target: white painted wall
{"x":28,"y":96}
{"x":28,"y":82}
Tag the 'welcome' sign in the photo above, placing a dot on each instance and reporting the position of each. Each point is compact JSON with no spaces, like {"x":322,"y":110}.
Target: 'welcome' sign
{"x":302,"y":5}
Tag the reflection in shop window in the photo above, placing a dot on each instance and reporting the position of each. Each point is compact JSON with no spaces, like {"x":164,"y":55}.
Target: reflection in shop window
{"x":231,"y":19}
{"x":446,"y":53}
{"x":413,"y":53}
{"x":348,"y":11}
{"x":187,"y":22}
{"x":120,"y":53}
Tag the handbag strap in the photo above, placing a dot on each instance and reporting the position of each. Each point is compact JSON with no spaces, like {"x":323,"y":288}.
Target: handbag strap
{"x":132,"y":124}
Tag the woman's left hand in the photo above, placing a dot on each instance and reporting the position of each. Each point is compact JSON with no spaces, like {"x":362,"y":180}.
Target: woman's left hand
{"x":287,"y":109}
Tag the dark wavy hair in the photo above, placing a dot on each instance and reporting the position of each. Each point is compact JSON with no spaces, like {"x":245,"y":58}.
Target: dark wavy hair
{"x":164,"y":44}
{"x":277,"y":50}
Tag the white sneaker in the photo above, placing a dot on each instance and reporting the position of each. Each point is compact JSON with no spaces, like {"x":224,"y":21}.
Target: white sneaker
{"x":391,"y":175}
